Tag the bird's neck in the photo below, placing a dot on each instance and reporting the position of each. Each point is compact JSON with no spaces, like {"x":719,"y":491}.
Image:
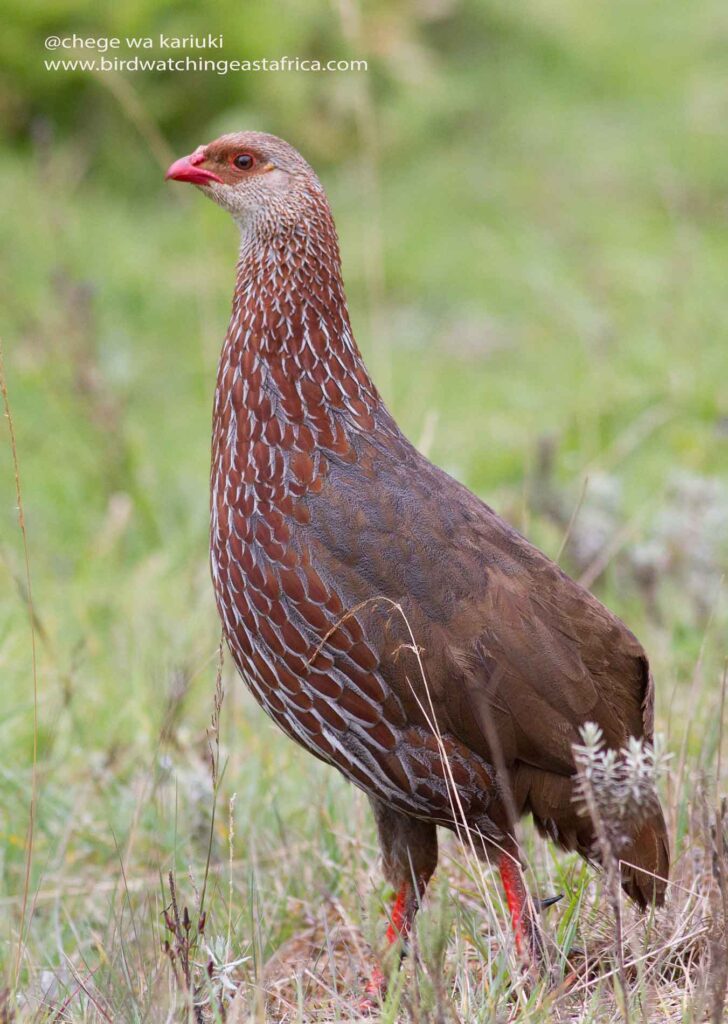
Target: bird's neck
{"x":292,"y":390}
{"x":289,"y":332}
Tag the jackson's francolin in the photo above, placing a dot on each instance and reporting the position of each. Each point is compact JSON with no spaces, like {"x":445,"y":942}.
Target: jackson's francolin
{"x":336,"y":547}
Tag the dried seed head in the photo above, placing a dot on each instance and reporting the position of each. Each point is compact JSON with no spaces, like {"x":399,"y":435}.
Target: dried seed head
{"x":619,"y":786}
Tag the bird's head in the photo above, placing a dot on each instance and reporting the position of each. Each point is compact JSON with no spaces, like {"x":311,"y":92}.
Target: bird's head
{"x":255,"y":177}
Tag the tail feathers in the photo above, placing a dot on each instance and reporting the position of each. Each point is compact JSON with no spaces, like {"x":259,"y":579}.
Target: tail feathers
{"x":550,"y":798}
{"x":646,"y":863}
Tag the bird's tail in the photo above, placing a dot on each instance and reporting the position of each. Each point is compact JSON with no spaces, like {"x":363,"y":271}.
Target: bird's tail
{"x":646,"y":863}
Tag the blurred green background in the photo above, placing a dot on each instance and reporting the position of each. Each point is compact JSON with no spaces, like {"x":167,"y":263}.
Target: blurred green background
{"x":531,"y":200}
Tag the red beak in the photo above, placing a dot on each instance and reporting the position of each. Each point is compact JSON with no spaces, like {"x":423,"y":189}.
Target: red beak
{"x":187,"y":168}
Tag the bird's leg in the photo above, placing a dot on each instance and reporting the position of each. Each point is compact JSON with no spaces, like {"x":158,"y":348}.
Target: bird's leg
{"x":526,"y":929}
{"x":409,"y":856}
{"x":404,"y":908}
{"x":403,"y":913}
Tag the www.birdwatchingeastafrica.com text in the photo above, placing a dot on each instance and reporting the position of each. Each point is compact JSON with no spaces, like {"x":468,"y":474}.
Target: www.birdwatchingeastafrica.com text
{"x":220,"y":66}
{"x":105,"y":60}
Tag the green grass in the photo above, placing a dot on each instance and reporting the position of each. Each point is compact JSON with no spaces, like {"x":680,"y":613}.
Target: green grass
{"x":550,"y":199}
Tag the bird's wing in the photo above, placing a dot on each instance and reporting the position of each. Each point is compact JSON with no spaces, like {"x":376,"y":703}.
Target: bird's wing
{"x":512,"y":647}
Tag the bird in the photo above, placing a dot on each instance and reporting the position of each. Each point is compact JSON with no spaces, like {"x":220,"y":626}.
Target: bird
{"x":384,"y":616}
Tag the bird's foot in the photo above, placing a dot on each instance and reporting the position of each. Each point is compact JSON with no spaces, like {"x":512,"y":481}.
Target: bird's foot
{"x":374,"y":992}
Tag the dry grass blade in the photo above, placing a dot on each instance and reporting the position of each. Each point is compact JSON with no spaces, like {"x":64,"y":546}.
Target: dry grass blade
{"x":213,"y":739}
{"x":466,"y":833}
{"x":572,"y":520}
{"x":32,"y":619}
{"x":138,"y":114}
{"x":180,"y":951}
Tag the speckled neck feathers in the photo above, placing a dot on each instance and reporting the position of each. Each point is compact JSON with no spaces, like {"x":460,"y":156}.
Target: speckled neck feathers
{"x":290,"y":322}
{"x":291,"y":382}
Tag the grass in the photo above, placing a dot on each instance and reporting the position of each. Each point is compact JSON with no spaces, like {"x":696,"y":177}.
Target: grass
{"x":546,"y":316}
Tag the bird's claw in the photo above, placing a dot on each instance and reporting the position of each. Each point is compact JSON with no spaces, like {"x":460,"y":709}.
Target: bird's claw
{"x":549,"y":901}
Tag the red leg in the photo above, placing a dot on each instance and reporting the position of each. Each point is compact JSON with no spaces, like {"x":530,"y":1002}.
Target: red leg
{"x":403,"y":913}
{"x":524,"y":928}
{"x":374,"y":990}
{"x":409,"y":857}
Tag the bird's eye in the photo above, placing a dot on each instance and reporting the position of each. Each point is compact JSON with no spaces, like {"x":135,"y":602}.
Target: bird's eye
{"x":243,"y":161}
